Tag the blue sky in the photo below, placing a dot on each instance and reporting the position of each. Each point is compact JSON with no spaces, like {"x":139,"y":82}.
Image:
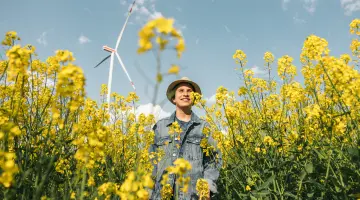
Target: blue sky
{"x":213,"y":30}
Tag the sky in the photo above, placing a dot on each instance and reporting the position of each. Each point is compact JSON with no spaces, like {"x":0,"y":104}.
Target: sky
{"x":213,"y":30}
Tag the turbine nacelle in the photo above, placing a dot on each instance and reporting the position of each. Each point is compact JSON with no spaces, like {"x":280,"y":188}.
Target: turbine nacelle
{"x":108,"y":49}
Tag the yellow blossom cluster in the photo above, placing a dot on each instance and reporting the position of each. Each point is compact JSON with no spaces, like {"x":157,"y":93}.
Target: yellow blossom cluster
{"x":10,"y":38}
{"x":135,"y":186}
{"x":175,"y":130}
{"x":285,"y":67}
{"x":8,"y":167}
{"x":269,"y":59}
{"x":355,"y":27}
{"x":202,"y":188}
{"x":179,"y":169}
{"x":163,"y":27}
{"x":314,"y":47}
{"x":240,"y":57}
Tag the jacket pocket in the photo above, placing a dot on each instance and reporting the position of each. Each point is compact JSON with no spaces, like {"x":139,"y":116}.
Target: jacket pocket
{"x":163,"y":141}
{"x":193,"y":150}
{"x":164,"y":144}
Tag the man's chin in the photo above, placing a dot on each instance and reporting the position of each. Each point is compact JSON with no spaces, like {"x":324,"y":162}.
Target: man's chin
{"x":184,"y":105}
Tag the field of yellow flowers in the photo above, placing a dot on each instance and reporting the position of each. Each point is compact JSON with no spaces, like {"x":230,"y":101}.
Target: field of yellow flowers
{"x":288,"y":141}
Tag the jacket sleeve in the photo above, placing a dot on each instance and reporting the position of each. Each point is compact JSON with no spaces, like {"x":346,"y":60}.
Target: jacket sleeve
{"x":212,"y":163}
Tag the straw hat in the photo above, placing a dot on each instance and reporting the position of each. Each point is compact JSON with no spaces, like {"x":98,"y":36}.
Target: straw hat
{"x":170,"y":93}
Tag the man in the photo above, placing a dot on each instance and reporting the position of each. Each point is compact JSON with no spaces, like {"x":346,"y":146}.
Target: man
{"x":188,"y":146}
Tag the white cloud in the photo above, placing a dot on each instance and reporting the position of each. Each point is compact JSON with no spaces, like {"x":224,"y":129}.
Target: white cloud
{"x":147,"y":109}
{"x":42,"y":39}
{"x":145,"y":10}
{"x":298,"y":20}
{"x":227,"y":29}
{"x":258,"y":71}
{"x":310,"y":5}
{"x":211,"y":100}
{"x":284,"y":4}
{"x":155,"y":15}
{"x":83,"y":39}
{"x":350,"y":6}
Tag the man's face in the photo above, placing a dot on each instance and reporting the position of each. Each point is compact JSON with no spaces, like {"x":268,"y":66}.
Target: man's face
{"x":182,"y":95}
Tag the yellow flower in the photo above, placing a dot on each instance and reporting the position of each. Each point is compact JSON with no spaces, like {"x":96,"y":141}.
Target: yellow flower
{"x":268,"y":58}
{"x":164,"y":28}
{"x":202,"y":188}
{"x":64,"y":56}
{"x":175,"y":128}
{"x":355,"y":27}
{"x":180,"y":47}
{"x":91,"y":181}
{"x":162,"y":42}
{"x":72,"y":196}
{"x":10,"y":38}
{"x":19,"y":60}
{"x":268,"y":140}
{"x":314,"y":47}
{"x":346,"y":58}
{"x":174,"y":69}
{"x":166,"y":192}
{"x":164,"y":25}
{"x":355,"y":47}
{"x":247,"y":188}
{"x":286,"y":68}
{"x":240,"y":57}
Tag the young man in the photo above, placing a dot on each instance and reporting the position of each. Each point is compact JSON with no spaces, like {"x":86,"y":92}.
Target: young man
{"x":188,"y":146}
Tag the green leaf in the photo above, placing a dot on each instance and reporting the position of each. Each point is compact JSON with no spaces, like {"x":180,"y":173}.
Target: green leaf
{"x":310,"y":194}
{"x":309,"y":168}
{"x":337,"y":189}
{"x":356,"y":195}
{"x":354,"y":152}
{"x":319,"y":154}
{"x":262,"y":193}
{"x":241,"y":195}
{"x":302,"y":175}
{"x":289,"y":194}
{"x":252,"y":197}
{"x":267,"y":182}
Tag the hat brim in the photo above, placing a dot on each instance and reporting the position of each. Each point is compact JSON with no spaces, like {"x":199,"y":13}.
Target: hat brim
{"x":172,"y":86}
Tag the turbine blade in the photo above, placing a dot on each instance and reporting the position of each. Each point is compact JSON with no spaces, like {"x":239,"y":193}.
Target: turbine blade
{"x":123,"y":66}
{"x":123,"y":28}
{"x":107,"y":57}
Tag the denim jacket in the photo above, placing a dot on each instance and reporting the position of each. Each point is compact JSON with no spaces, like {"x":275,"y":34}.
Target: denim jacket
{"x":203,"y":166}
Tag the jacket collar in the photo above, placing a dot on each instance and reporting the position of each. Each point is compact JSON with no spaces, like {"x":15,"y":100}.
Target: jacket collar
{"x":194,"y":118}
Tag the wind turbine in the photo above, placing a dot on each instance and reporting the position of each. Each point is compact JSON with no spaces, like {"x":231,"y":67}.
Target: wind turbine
{"x":113,"y":53}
